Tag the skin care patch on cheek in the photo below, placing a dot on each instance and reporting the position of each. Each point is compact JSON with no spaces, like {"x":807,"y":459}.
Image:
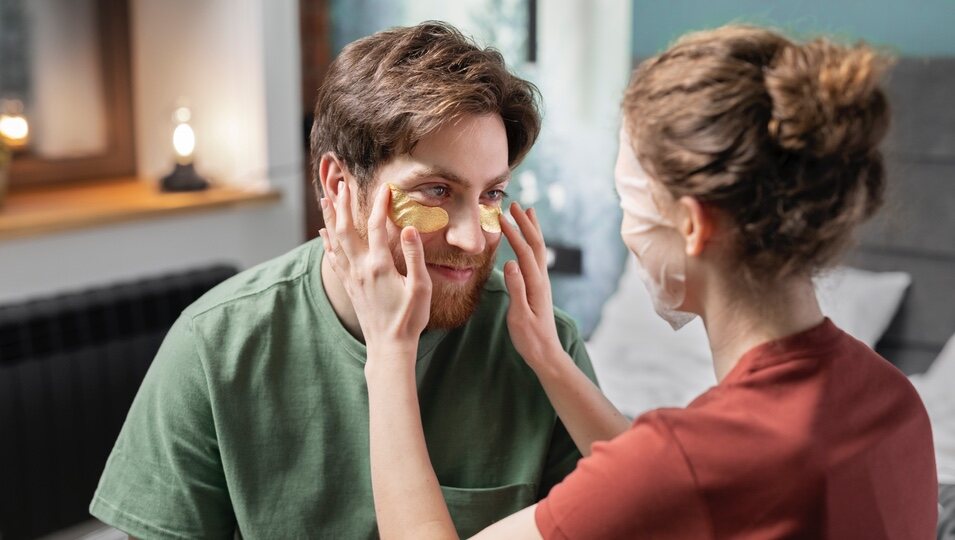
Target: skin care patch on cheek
{"x":406,"y":212}
{"x":490,"y":218}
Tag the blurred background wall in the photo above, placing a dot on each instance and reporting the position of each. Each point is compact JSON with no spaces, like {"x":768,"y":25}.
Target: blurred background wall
{"x":237,"y":63}
{"x":916,"y":28}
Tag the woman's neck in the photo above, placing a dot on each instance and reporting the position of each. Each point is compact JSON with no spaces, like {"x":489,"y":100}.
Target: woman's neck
{"x":737,"y":322}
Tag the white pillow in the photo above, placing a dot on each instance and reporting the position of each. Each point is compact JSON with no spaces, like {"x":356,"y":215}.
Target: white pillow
{"x":642,"y":364}
{"x":936,"y":386}
{"x":861,"y":302}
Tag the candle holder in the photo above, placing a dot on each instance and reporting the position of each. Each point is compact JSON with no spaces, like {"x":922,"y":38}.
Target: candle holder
{"x":184,"y":176}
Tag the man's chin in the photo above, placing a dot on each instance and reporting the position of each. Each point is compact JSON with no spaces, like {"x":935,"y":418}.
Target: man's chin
{"x":453,"y":302}
{"x":451,"y":307}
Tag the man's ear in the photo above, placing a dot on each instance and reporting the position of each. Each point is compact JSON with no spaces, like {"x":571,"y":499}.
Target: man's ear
{"x":331,"y":172}
{"x":697,"y":225}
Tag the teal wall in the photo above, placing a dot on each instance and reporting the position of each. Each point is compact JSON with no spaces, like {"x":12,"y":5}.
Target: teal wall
{"x":911,"y":28}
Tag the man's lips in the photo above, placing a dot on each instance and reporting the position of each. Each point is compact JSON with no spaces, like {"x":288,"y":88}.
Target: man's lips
{"x":452,"y":273}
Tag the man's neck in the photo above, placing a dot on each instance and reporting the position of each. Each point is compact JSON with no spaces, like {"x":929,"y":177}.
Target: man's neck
{"x":341,"y":303}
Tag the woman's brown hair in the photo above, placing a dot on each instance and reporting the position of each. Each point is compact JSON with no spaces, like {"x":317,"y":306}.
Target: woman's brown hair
{"x":385,"y":92}
{"x":781,"y":136}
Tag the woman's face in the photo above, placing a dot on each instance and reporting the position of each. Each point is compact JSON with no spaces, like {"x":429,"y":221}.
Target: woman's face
{"x":652,"y":235}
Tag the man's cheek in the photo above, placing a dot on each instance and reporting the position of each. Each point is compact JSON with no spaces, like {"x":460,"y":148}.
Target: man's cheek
{"x":493,"y":240}
{"x":491,"y":219}
{"x":405,"y":212}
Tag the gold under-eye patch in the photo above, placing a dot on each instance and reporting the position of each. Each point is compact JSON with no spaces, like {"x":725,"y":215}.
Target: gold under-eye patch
{"x":406,"y":212}
{"x":490,"y":218}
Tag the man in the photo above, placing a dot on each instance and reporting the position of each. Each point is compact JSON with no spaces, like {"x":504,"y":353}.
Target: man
{"x":254,"y":416}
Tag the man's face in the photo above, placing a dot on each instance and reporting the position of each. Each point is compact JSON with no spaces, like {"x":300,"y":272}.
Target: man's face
{"x":458,"y":167}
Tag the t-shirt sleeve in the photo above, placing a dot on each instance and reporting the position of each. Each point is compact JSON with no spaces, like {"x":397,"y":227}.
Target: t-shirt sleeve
{"x":638,"y":485}
{"x":164,"y":477}
{"x":563,"y":454}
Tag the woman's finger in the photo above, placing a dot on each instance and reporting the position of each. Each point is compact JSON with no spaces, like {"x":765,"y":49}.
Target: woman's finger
{"x":328,"y":213}
{"x":532,"y":215}
{"x":331,"y":222}
{"x":329,"y":238}
{"x":377,"y":231}
{"x":344,"y":225}
{"x":542,"y":252}
{"x":516,"y":288}
{"x":525,"y":255}
{"x":413,"y":250}
{"x":532,"y":234}
{"x":336,"y":259}
{"x":325,"y":242}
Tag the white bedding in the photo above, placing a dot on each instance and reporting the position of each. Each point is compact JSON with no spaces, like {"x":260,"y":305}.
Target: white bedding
{"x":937,"y":388}
{"x":642,"y":364}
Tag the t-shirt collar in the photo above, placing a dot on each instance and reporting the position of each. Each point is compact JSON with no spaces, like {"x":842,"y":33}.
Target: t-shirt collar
{"x":809,"y":342}
{"x":333,"y":326}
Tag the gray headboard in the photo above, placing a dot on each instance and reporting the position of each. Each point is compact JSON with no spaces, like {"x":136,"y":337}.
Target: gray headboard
{"x":915,"y":231}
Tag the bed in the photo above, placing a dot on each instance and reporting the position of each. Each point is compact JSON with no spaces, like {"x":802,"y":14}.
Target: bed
{"x":895,"y":290}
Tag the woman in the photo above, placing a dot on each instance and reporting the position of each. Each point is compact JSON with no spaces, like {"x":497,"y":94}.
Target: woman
{"x":746,"y":161}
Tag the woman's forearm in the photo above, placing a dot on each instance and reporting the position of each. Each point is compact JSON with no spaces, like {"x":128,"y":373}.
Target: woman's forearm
{"x":586,"y":413}
{"x":408,"y":499}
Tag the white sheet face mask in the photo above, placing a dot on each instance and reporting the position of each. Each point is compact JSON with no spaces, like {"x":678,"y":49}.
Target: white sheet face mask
{"x":652,"y":238}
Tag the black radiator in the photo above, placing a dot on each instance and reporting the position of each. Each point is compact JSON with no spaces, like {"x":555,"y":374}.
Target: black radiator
{"x":69,"y":368}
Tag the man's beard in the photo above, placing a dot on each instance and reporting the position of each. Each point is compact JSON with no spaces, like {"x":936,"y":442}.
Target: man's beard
{"x":451,"y":304}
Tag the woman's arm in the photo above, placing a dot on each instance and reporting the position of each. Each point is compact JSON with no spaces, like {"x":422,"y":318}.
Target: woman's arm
{"x":392,"y":310}
{"x":408,"y":499}
{"x":586,"y":413}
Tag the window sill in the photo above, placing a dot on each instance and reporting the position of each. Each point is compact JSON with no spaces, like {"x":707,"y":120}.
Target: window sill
{"x":42,"y":210}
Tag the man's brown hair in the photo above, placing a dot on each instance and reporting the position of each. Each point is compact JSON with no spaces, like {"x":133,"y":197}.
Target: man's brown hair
{"x":385,"y":92}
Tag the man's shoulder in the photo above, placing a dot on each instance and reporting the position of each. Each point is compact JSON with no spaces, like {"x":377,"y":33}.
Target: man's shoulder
{"x":247,"y":287}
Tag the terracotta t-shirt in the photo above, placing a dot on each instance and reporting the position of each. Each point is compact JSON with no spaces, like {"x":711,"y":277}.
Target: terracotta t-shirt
{"x":811,"y":436}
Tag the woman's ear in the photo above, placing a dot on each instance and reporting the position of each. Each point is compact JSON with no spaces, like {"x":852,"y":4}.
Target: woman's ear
{"x":331,"y":172}
{"x":697,"y":225}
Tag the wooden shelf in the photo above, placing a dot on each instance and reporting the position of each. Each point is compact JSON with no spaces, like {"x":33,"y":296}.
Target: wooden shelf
{"x":46,"y":209}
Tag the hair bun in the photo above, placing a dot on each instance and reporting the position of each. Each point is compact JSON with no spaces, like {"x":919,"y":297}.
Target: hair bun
{"x":827,"y":102}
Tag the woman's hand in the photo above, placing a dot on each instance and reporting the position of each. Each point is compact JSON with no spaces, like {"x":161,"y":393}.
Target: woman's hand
{"x":392,"y":309}
{"x":585,"y":412}
{"x":530,"y":317}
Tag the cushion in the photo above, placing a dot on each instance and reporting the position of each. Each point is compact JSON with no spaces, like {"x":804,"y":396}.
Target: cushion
{"x":935,"y":386}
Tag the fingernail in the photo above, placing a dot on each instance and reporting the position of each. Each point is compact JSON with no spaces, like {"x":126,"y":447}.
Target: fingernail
{"x":412,"y":235}
{"x":512,"y":269}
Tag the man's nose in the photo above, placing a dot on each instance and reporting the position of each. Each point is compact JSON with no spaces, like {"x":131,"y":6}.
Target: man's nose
{"x":464,"y":231}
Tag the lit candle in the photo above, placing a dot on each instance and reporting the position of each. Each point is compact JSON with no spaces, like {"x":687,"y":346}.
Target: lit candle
{"x":183,"y":177}
{"x":183,"y":137}
{"x":14,"y":128}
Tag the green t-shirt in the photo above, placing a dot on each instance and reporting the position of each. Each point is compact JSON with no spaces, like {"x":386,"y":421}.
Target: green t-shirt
{"x":254,"y":418}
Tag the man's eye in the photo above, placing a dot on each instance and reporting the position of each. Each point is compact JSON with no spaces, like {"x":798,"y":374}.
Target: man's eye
{"x":496,"y":195}
{"x":437,"y":192}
